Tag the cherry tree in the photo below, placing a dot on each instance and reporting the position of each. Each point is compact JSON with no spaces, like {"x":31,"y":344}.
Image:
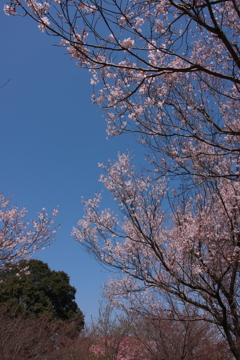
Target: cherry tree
{"x":188,"y":256}
{"x":20,"y":238}
{"x":166,"y":70}
{"x":131,"y":336}
{"x":164,"y":338}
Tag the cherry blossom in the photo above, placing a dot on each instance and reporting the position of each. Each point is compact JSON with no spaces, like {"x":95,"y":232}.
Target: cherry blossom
{"x":128,"y":348}
{"x":167,"y":71}
{"x":43,"y":23}
{"x":9,"y":10}
{"x":189,"y":256}
{"x":20,"y":238}
{"x":157,"y":74}
{"x":127,"y":43}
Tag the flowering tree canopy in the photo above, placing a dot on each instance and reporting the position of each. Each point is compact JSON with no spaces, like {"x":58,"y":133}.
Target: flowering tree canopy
{"x":169,"y":72}
{"x":20,"y":238}
{"x":128,"y":349}
{"x":191,"y":257}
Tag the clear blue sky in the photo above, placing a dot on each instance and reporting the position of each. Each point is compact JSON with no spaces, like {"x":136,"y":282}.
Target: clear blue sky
{"x":51,"y":140}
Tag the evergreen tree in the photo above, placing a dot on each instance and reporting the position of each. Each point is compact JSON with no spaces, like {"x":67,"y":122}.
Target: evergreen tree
{"x":35,"y":289}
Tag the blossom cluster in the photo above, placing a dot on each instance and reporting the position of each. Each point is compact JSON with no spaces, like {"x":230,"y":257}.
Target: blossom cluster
{"x":20,"y":238}
{"x":157,"y":254}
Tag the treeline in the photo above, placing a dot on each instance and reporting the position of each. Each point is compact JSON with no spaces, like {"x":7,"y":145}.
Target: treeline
{"x":112,"y":336}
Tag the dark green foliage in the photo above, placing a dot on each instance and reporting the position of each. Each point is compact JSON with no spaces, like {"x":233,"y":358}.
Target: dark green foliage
{"x":33,"y":288}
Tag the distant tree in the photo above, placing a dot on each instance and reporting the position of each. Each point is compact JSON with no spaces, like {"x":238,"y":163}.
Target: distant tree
{"x":26,"y":336}
{"x":131,"y":336}
{"x":165,"y":338}
{"x":20,"y":238}
{"x":35,"y":289}
{"x":112,"y":333}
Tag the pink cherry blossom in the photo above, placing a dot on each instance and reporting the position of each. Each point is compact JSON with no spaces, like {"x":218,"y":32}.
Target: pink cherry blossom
{"x":127,"y":43}
{"x":168,"y":72}
{"x":9,"y":10}
{"x":127,"y":348}
{"x":186,"y":256}
{"x":167,"y":85}
{"x":20,"y":238}
{"x":43,"y":23}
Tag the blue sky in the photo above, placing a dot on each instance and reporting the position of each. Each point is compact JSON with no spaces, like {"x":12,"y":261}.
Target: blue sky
{"x":52,"y":139}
